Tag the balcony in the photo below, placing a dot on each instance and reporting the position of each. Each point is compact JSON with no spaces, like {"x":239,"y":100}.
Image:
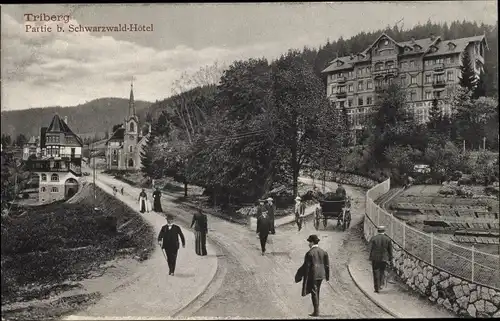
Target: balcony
{"x":438,"y":83}
{"x":342,"y":80}
{"x":341,"y":94}
{"x":439,"y":68}
{"x":387,"y":71}
{"x":47,"y":165}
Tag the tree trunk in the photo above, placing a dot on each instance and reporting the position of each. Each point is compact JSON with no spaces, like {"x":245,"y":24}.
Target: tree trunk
{"x":185,"y":189}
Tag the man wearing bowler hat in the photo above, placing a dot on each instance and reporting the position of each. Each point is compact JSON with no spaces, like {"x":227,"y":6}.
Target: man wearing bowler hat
{"x":168,"y":239}
{"x":316,"y":267}
{"x":380,"y":254}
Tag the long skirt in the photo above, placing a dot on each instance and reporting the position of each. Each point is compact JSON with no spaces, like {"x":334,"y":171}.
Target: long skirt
{"x":143,"y":206}
{"x":157,"y":205}
{"x":200,"y":243}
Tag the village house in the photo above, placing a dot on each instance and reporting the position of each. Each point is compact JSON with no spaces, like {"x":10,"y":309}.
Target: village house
{"x":126,"y":142}
{"x":58,"y":163}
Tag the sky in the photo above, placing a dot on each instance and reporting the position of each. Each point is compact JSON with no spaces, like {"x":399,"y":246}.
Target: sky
{"x":69,"y":68}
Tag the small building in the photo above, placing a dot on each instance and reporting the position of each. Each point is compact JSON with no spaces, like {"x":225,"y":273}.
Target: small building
{"x":32,"y":147}
{"x":126,"y":142}
{"x":59,"y":163}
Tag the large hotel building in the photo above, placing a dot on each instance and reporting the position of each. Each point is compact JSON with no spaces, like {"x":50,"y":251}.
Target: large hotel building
{"x":428,"y":68}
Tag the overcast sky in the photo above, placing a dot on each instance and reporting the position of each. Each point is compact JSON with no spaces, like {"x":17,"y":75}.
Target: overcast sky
{"x":48,"y":69}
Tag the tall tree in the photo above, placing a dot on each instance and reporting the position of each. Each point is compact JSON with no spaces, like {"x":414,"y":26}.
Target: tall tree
{"x":6,"y":140}
{"x":21,"y":140}
{"x":467,"y":75}
{"x":147,"y":158}
{"x":435,"y":115}
{"x":480,"y":89}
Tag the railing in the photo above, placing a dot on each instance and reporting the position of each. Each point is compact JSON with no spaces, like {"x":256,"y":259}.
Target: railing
{"x":386,"y":71}
{"x":464,"y":262}
{"x":341,"y":94}
{"x":439,"y":66}
{"x":438,"y":83}
{"x":342,"y":79}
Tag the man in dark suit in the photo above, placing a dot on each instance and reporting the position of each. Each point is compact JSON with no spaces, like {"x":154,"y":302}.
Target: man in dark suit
{"x":316,"y":267}
{"x":380,"y":254}
{"x":263,"y":229}
{"x":168,"y":239}
{"x":201,"y":229}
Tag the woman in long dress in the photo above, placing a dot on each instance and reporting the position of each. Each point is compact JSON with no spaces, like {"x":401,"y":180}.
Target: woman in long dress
{"x":157,"y":201}
{"x":143,"y":197}
{"x":201,"y":228}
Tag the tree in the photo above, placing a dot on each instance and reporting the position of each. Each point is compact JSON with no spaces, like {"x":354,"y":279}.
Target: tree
{"x":467,"y":76}
{"x":14,"y":176}
{"x":435,"y":115}
{"x":21,"y":140}
{"x":299,"y":98}
{"x":6,"y":140}
{"x":480,"y":90}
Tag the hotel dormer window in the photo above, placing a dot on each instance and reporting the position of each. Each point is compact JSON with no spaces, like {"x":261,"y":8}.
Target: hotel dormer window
{"x":132,"y":128}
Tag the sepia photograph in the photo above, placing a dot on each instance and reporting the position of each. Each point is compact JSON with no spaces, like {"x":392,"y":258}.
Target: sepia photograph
{"x":273,"y":160}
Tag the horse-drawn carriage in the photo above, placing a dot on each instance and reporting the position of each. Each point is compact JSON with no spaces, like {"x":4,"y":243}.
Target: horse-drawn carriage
{"x":333,"y":206}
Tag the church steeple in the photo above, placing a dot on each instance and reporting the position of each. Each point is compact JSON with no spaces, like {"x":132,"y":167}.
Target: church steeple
{"x":131,"y":106}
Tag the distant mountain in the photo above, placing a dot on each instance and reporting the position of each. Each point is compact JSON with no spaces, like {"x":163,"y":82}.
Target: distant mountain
{"x":91,"y":119}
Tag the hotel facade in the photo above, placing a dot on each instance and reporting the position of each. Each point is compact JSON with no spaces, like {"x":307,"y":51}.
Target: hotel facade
{"x":427,"y":68}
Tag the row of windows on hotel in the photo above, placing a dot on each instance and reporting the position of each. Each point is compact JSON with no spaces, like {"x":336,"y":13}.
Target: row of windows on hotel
{"x":53,"y":190}
{"x":390,"y":64}
{"x":58,"y":151}
{"x":57,"y":139}
{"x":53,"y":178}
{"x":412,"y":96}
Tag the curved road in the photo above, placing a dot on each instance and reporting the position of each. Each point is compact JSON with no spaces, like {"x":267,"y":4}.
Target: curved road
{"x":254,"y":286}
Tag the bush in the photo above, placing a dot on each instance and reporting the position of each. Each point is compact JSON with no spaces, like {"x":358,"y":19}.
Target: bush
{"x":26,"y":195}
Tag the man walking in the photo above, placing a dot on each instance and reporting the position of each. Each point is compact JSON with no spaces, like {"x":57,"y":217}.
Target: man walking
{"x":271,"y":208}
{"x":380,"y":254}
{"x":263,"y":228}
{"x":168,"y":239}
{"x":316,"y":267}
{"x":340,"y":191}
{"x":201,"y":229}
{"x":300,"y":209}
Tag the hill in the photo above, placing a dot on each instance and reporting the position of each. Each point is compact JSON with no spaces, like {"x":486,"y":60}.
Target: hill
{"x":92,"y":118}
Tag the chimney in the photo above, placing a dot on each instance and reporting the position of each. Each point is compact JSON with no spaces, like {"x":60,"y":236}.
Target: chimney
{"x":66,"y":119}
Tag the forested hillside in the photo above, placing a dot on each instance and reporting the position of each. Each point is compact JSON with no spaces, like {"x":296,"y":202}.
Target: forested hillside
{"x":92,"y":118}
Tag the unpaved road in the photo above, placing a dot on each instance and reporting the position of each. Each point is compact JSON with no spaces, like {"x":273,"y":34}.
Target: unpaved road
{"x":256,"y":286}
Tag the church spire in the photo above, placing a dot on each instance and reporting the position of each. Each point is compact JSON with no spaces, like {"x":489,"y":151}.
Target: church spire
{"x":131,"y":106}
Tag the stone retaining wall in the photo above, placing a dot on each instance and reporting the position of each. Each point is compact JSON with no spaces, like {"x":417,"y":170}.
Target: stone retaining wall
{"x":455,"y":294}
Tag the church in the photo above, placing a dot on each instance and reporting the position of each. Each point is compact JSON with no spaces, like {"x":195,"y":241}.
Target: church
{"x":126,"y":142}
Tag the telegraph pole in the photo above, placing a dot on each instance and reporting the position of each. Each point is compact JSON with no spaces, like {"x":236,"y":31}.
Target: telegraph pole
{"x":93,"y":161}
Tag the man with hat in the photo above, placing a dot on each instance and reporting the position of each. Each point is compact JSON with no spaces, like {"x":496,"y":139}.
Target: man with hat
{"x":263,"y":228}
{"x":380,"y":254}
{"x":316,"y":267}
{"x":300,"y":209}
{"x":271,"y":208}
{"x":168,"y":239}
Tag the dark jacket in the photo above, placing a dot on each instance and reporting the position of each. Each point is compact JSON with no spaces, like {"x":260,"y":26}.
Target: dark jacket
{"x":263,"y":225}
{"x":340,"y":191}
{"x":271,"y":208}
{"x":200,"y":222}
{"x":380,"y":248}
{"x":316,"y":267}
{"x":170,"y":237}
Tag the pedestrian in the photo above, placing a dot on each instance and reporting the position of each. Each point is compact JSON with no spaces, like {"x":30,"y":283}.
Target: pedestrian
{"x":271,"y":209}
{"x":200,"y":223}
{"x":380,"y":253}
{"x":340,"y":191}
{"x":157,"y":201}
{"x":168,"y":239}
{"x":114,"y":190}
{"x":263,"y":229}
{"x":300,"y":209}
{"x":143,"y":197}
{"x":315,"y":268}
{"x":121,"y":190}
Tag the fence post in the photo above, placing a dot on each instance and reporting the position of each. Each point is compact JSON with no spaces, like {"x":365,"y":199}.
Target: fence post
{"x":432,"y":248}
{"x":472,"y":261}
{"x":404,"y":235}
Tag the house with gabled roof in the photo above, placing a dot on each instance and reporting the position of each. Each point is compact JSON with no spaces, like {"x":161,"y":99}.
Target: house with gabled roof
{"x":127,"y":141}
{"x":427,"y":68}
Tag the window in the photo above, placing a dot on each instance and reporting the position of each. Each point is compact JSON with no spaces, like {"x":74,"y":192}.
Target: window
{"x":403,"y":80}
{"x":369,"y":84}
{"x":360,"y":101}
{"x":368,"y":69}
{"x":413,"y":80}
{"x":452,"y":60}
{"x":359,"y":71}
{"x":351,"y":88}
{"x":44,"y":177}
{"x":390,"y":80}
{"x":350,"y":74}
{"x":379,"y":66}
{"x":450,"y":75}
{"x":130,"y":148}
{"x":54,"y":178}
{"x":341,"y":75}
{"x":448,"y":60}
{"x":412,"y":63}
{"x":132,"y":127}
{"x":360,"y":85}
{"x":390,"y":65}
{"x":404,"y":65}
{"x":55,"y":190}
{"x":428,"y":78}
{"x":342,"y":104}
{"x":43,"y":189}
{"x":369,"y":100}
{"x":437,"y":94}
{"x":428,"y":95}
{"x":114,"y":152}
{"x":413,"y":95}
{"x":349,"y":103}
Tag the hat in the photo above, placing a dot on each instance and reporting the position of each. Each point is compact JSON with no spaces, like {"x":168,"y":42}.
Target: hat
{"x":170,"y":217}
{"x":313,"y":238}
{"x":298,"y":198}
{"x":269,"y":199}
{"x":381,"y":228}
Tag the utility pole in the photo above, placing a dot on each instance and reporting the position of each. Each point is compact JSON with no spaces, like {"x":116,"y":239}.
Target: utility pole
{"x":484,"y":143}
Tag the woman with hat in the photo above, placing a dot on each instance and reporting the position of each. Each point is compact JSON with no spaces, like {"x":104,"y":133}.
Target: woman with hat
{"x":300,"y":209}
